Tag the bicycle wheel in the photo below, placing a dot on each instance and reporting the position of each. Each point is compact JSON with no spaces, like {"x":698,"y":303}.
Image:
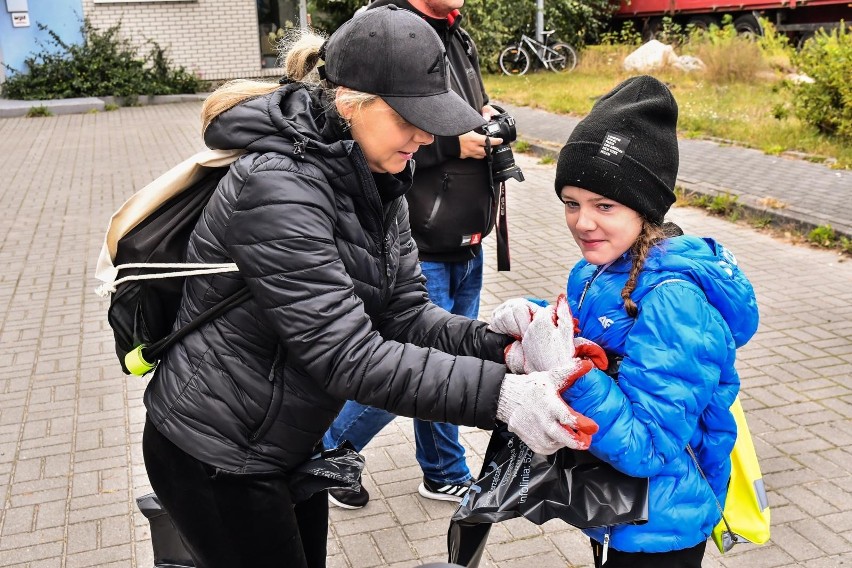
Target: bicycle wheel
{"x":514,"y":60}
{"x":565,"y":58}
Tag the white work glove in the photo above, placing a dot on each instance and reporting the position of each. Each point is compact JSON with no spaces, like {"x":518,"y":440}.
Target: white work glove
{"x":513,"y":317}
{"x":531,"y":407}
{"x":548,"y":342}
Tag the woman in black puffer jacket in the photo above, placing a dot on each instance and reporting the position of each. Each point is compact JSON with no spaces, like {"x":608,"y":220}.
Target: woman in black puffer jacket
{"x":314,"y":217}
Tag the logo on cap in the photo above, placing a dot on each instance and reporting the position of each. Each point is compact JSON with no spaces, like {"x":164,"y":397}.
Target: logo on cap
{"x":439,"y":66}
{"x":613,"y":147}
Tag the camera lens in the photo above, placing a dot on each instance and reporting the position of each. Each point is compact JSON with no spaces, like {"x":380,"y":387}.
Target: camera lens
{"x":502,"y":160}
{"x":503,"y":164}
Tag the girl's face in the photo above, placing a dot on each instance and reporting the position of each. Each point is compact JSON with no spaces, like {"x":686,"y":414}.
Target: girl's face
{"x":604,"y":229}
{"x":387,"y":140}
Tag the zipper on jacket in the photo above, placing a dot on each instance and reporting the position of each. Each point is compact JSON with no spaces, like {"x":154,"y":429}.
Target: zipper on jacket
{"x":385,"y":254}
{"x":438,"y":198}
{"x":605,"y":547}
{"x":591,"y":281}
{"x":394,"y":209}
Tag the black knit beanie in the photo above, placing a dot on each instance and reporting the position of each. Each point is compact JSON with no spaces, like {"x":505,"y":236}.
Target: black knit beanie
{"x":626,"y":148}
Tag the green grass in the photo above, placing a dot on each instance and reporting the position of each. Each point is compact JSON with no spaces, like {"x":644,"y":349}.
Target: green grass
{"x":745,"y":113}
{"x":38,"y":111}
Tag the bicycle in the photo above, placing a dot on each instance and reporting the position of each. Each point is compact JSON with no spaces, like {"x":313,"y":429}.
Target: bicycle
{"x":556,"y":56}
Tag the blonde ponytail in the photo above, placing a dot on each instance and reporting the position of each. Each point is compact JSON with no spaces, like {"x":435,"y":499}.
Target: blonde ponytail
{"x":300,"y":51}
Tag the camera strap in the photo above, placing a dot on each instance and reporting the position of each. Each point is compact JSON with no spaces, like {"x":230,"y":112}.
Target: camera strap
{"x":503,"y":262}
{"x":502,"y":225}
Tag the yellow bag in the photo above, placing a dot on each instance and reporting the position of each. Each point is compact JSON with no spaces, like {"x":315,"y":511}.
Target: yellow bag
{"x":745,"y":517}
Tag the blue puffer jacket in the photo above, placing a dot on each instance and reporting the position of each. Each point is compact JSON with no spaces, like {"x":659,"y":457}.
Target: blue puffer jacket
{"x":676,"y":382}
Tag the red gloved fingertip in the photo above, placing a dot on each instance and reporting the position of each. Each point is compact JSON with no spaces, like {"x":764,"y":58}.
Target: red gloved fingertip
{"x":583,"y":440}
{"x":586,"y":425}
{"x":592,"y":351}
{"x":583,"y":367}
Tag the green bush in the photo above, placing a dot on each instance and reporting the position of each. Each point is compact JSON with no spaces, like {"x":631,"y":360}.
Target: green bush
{"x":623,"y":34}
{"x":728,"y":57}
{"x":494,"y":24}
{"x":827,"y":102}
{"x":103,"y":64}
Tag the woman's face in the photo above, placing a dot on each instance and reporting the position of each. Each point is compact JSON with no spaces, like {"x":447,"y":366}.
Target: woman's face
{"x":604,"y":229}
{"x":387,"y":140}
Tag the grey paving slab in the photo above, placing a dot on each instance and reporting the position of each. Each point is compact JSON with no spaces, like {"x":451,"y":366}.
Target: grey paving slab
{"x":70,"y":422}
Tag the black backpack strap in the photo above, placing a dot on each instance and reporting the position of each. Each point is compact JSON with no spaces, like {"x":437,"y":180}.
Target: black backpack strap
{"x":155,"y":350}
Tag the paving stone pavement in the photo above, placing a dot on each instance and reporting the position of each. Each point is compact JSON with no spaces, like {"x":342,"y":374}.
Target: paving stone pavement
{"x":71,"y":423}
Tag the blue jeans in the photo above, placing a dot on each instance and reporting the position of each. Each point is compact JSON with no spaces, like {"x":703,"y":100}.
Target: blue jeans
{"x":455,"y":286}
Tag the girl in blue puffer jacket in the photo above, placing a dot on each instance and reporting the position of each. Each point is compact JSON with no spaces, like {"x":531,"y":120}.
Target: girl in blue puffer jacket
{"x":669,"y":310}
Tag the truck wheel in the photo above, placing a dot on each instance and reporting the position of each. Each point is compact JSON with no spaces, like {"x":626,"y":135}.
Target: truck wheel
{"x":702,"y":22}
{"x":802,"y":38}
{"x":651,"y":29}
{"x":748,"y":26}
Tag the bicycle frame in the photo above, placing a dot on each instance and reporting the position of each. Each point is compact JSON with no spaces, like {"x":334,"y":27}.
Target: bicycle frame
{"x":539,"y":49}
{"x":555,"y":55}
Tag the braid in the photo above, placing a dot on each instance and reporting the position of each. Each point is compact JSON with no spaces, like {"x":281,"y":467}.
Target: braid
{"x":650,"y":236}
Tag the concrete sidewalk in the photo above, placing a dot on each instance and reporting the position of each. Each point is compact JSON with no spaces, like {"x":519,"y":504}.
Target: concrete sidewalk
{"x":70,"y":422}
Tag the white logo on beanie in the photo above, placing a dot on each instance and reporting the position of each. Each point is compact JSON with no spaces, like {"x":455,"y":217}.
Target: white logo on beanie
{"x":613,"y":148}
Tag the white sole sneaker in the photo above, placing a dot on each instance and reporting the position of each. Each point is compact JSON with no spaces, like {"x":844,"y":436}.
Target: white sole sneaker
{"x":343,"y":505}
{"x":445,"y":493}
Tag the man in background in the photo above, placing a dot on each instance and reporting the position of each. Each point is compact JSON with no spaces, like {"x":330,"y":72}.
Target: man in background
{"x":452,"y":205}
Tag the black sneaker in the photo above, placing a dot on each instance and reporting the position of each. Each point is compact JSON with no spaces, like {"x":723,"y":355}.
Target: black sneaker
{"x":347,"y":498}
{"x":444,"y":491}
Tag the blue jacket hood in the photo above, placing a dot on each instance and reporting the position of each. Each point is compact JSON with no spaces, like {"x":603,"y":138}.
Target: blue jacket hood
{"x":713,"y":268}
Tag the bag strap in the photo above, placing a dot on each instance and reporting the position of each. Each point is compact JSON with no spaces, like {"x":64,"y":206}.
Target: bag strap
{"x":716,"y":499}
{"x":153,"y":351}
{"x":143,"y":358}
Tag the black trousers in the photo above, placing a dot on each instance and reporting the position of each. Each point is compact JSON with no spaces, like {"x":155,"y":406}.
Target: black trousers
{"x":686,"y":558}
{"x":234,"y":521}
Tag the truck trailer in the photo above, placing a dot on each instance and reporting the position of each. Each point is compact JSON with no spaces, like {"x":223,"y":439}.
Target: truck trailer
{"x":799,"y":19}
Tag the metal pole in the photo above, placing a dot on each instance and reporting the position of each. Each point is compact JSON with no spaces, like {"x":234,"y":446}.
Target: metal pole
{"x":303,"y":14}
{"x":539,"y":20}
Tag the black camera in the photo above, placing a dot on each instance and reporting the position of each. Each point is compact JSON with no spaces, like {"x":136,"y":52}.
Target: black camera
{"x":502,"y":160}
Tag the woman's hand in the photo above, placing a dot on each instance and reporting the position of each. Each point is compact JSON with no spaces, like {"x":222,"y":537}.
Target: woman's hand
{"x":546,"y":338}
{"x":531,"y":407}
{"x":472,"y":145}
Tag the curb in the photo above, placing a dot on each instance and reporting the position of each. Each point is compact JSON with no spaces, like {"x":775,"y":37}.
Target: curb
{"x":10,"y":108}
{"x":800,"y":221}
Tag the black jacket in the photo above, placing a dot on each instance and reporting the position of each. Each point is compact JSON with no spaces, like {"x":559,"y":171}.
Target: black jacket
{"x":339,"y":308}
{"x":452,"y":202}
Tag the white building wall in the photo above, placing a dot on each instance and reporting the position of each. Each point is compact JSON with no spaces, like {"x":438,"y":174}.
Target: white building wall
{"x":217,"y":39}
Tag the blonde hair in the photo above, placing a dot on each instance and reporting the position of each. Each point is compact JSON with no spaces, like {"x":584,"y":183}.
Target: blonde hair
{"x":299,"y":50}
{"x":649,"y":236}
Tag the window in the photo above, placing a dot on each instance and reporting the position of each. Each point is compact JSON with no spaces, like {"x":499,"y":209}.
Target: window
{"x":274,"y":18}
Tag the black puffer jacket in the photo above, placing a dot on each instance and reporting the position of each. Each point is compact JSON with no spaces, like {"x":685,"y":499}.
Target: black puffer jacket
{"x":339,"y":308}
{"x":453,"y":203}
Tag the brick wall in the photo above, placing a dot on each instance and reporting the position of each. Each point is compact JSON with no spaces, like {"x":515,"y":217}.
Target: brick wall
{"x":218,"y":39}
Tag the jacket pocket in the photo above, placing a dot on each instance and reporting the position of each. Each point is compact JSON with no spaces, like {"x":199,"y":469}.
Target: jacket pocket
{"x":275,"y":400}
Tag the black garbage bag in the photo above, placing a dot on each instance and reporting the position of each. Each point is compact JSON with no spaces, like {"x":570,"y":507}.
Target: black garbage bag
{"x":338,"y":467}
{"x":570,"y":485}
{"x":169,"y":550}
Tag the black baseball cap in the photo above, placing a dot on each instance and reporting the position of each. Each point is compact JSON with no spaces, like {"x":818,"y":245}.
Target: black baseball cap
{"x":395,"y":54}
